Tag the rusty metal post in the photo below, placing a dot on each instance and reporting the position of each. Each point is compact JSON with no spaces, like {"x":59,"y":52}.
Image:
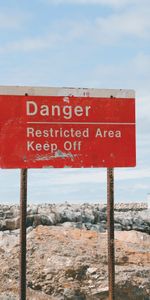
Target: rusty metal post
{"x":23,"y":210}
{"x":110,"y":228}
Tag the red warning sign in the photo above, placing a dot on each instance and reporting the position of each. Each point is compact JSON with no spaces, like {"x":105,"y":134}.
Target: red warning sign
{"x":58,"y":128}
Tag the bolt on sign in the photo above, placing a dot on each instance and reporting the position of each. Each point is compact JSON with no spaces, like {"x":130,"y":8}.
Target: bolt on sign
{"x":66,"y":127}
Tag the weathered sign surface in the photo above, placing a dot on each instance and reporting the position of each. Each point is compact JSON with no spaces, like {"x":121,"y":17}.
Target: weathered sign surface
{"x":62,"y":127}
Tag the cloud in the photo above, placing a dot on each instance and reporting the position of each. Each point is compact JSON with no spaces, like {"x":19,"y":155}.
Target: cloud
{"x":140,"y":186}
{"x":95,"y":2}
{"x":74,"y":184}
{"x":126,"y":27}
{"x":84,"y":176}
{"x":31,"y":44}
{"x":116,"y":27}
{"x":119,"y":26}
{"x":142,"y":64}
{"x":12,"y":20}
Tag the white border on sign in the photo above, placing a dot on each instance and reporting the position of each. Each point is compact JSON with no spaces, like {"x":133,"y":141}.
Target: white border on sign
{"x":64,"y":91}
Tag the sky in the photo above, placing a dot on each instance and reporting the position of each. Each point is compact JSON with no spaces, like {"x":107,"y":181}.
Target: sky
{"x":79,"y":43}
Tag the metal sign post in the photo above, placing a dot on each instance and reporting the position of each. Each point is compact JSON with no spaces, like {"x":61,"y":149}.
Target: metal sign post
{"x":23,"y":209}
{"x":110,"y":228}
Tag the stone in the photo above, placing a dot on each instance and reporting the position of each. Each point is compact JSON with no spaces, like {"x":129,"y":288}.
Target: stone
{"x":71,"y":294}
{"x":90,"y":216}
{"x":91,"y":270}
{"x":70,"y":263}
{"x":6,"y":297}
{"x":12,"y":224}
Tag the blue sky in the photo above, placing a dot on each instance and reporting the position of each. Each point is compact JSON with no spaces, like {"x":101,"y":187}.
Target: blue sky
{"x":79,"y":43}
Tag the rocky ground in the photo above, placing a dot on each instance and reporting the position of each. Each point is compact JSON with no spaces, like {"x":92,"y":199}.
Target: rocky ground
{"x":84,"y":216}
{"x":69,"y":263}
